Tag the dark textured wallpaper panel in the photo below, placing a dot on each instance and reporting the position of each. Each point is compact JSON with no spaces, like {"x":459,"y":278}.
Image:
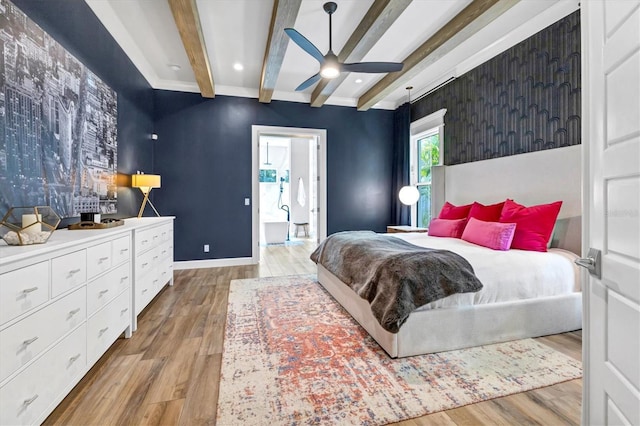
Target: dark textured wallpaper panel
{"x":525,"y":99}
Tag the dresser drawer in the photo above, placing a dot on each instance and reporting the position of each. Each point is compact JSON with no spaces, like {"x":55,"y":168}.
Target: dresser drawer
{"x":98,"y":259}
{"x":68,"y":271}
{"x":121,"y":249}
{"x":146,"y":239}
{"x":165,"y":274}
{"x":24,"y":399}
{"x":166,"y":232}
{"x":145,"y":263}
{"x":166,"y":251}
{"x":23,"y":289}
{"x":104,"y":289}
{"x":26,"y":339}
{"x":144,"y":292}
{"x":105,"y":326}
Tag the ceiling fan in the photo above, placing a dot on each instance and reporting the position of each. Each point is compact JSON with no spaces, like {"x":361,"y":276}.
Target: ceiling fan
{"x":330,"y":67}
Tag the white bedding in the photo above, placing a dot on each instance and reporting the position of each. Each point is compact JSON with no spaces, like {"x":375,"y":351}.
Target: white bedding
{"x":501,"y":272}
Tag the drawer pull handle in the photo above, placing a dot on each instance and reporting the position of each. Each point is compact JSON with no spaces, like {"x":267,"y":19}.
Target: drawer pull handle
{"x":74,"y":271}
{"x":104,"y":292}
{"x":30,"y":341}
{"x":124,"y":278}
{"x":155,"y":257}
{"x":75,"y":311}
{"x":102,"y":259}
{"x":164,"y":251}
{"x":102,"y":331}
{"x":124,"y":310}
{"x":29,"y":401}
{"x":74,"y":359}
{"x":144,"y":290}
{"x":144,"y":264}
{"x":155,"y":236}
{"x":155,"y":281}
{"x":29,"y":290}
{"x":145,"y":241}
{"x":123,"y":250}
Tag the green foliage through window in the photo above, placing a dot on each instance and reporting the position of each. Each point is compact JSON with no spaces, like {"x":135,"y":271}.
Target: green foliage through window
{"x":428,"y":156}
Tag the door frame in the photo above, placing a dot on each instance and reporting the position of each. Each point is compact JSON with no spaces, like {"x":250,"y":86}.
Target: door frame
{"x":295,"y":132}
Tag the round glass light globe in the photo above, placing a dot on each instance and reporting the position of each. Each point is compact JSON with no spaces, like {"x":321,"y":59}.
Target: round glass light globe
{"x":409,"y":195}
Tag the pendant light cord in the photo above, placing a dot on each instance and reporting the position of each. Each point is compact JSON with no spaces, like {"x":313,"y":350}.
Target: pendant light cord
{"x":330,"y":48}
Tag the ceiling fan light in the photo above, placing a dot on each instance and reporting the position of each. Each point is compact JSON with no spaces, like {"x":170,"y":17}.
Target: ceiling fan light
{"x":329,"y":71}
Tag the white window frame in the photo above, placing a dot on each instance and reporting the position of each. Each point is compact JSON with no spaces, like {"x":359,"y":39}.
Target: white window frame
{"x":426,"y":126}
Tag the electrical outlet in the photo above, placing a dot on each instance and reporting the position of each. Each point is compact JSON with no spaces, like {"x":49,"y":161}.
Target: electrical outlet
{"x":247,"y":202}
{"x":206,"y":248}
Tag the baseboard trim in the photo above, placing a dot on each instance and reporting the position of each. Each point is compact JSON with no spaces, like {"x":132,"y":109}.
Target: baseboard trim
{"x":213,"y":263}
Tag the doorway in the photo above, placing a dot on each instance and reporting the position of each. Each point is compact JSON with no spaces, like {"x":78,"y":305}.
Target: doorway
{"x":288,"y":186}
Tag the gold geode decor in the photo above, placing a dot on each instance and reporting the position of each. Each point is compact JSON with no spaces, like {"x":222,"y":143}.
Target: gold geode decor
{"x":23,"y":226}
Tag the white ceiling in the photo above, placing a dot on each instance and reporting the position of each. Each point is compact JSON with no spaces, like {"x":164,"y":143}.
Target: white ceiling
{"x":235,"y":31}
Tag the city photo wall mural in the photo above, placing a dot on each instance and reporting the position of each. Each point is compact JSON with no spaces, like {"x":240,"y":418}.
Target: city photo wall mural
{"x":58,"y":130}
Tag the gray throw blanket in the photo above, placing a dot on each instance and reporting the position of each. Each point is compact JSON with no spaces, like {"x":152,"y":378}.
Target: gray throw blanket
{"x":395,"y":276}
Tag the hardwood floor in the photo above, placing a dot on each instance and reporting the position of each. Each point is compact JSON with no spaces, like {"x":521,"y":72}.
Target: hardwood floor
{"x":168,"y":372}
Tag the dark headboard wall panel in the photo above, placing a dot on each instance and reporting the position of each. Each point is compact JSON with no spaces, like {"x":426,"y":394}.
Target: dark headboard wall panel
{"x":526,"y":99}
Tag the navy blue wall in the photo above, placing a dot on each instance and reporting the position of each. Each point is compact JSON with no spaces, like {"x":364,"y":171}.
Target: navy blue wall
{"x":204,"y":149}
{"x":77,"y":29}
{"x":203,"y":154}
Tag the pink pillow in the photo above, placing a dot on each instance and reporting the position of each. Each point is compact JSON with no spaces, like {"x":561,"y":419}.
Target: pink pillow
{"x":535,"y":224}
{"x":490,"y":213}
{"x":449,"y":211}
{"x":495,"y":235}
{"x":447,"y":227}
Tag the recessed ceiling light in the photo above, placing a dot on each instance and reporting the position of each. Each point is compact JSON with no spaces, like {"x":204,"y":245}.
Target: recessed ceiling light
{"x":175,"y":67}
{"x":358,"y":80}
{"x":238,"y":66}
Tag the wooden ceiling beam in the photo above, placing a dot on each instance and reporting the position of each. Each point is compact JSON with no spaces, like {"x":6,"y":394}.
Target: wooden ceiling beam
{"x":283,"y":16}
{"x":465,"y":24}
{"x":185,"y":13}
{"x":378,"y":19}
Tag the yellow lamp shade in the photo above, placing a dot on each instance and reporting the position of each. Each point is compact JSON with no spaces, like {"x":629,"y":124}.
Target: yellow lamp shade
{"x":145,"y":181}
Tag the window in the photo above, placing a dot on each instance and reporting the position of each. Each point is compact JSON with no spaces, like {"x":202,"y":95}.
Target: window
{"x":428,"y":154}
{"x":426,"y":151}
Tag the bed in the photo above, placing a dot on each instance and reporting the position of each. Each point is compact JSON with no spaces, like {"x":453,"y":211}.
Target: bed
{"x":509,"y":307}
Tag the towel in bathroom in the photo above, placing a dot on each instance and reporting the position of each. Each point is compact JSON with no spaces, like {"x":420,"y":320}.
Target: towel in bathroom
{"x":302,"y":197}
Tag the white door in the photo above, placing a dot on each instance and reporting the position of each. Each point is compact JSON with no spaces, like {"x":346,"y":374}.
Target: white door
{"x":611,"y":138}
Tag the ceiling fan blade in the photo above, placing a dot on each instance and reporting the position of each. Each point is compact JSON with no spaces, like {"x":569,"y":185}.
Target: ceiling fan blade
{"x":308,"y":82}
{"x":305,"y":44}
{"x":372,"y":67}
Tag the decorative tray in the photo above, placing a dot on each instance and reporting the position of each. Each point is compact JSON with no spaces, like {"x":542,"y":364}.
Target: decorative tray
{"x":97,"y":225}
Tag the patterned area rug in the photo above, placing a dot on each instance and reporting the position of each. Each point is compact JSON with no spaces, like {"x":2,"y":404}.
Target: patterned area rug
{"x":293,"y":356}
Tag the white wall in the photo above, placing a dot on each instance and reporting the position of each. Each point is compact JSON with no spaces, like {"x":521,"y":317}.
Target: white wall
{"x":300,"y":170}
{"x":269,"y":192}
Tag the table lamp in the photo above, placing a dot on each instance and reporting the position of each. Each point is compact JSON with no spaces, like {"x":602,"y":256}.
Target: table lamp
{"x":145,"y":183}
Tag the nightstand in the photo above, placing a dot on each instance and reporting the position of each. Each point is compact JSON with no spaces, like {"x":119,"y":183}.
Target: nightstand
{"x":391,"y":229}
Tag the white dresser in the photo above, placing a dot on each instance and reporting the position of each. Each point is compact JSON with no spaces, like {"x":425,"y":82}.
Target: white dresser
{"x":153,"y":262}
{"x":65,"y":302}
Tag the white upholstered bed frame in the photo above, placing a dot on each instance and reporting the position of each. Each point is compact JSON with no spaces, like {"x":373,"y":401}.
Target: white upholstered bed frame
{"x":535,"y":178}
